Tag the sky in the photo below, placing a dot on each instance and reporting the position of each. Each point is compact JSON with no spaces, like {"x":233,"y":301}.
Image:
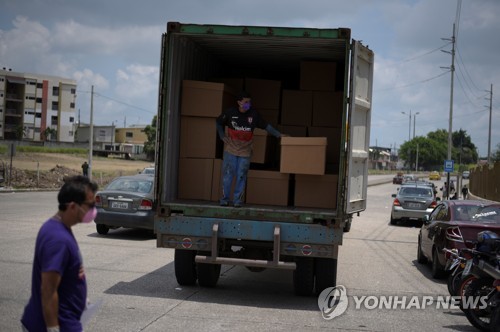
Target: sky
{"x":114,"y":45}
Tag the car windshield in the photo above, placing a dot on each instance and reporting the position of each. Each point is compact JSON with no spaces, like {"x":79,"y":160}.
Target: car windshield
{"x":131,"y":185}
{"x":415,"y":191}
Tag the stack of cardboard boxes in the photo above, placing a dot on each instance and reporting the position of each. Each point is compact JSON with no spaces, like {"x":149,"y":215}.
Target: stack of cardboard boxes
{"x":308,"y":160}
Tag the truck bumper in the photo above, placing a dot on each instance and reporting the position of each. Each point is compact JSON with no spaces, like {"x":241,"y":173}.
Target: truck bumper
{"x":196,"y":233}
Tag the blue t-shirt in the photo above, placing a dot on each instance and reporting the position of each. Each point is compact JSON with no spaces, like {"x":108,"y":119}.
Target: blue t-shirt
{"x":56,"y":250}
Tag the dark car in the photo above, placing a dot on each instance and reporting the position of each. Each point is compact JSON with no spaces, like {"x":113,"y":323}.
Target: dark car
{"x":454,"y":224}
{"x":414,"y":201}
{"x":128,"y":202}
{"x":398,"y":179}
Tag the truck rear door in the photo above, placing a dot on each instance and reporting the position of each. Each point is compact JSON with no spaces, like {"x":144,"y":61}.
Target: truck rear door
{"x":359,"y":117}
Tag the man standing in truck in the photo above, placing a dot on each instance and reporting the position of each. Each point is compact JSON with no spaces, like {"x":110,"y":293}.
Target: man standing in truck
{"x":241,"y":122}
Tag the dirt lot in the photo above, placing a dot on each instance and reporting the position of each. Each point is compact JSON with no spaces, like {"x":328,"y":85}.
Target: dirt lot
{"x":47,"y":170}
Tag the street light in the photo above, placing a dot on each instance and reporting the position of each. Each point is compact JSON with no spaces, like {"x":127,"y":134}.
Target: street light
{"x":409,"y":126}
{"x":414,"y":122}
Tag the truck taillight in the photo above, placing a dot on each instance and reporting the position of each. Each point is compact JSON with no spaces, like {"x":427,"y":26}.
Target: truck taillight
{"x":146,"y":204}
{"x":433,"y":204}
{"x":98,"y":201}
{"x":454,"y":234}
{"x":396,"y":202}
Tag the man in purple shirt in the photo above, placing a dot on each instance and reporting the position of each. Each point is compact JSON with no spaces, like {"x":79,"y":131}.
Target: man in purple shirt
{"x":58,"y":286}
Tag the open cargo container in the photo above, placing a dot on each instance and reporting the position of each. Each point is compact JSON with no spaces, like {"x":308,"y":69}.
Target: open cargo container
{"x":305,"y":240}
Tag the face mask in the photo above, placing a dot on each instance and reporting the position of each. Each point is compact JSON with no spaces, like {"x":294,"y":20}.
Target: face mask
{"x":246,"y":106}
{"x":90,"y":215}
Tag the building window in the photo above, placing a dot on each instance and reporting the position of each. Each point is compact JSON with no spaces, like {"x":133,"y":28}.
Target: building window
{"x":30,"y":83}
{"x":37,"y":130}
{"x":55,"y":91}
{"x":39,"y":100}
{"x":72,"y":105}
{"x":73,"y":91}
{"x":70,"y":133}
{"x":53,"y":120}
{"x":2,"y":79}
{"x":129,"y":134}
{"x":71,"y":119}
{"x":55,"y":105}
{"x":30,"y":97}
{"x":38,"y":115}
{"x":102,"y":133}
{"x":39,"y":85}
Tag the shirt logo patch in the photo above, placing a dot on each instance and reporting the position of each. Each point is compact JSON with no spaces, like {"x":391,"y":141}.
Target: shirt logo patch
{"x":250,"y":119}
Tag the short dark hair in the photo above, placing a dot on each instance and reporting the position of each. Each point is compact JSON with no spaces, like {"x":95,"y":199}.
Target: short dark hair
{"x":74,"y":189}
{"x":242,"y":95}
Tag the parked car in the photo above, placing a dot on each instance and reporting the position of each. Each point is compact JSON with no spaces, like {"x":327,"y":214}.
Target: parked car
{"x":454,"y":224}
{"x":434,"y":175}
{"x":414,"y":201}
{"x":465,"y":174}
{"x":128,"y":202}
{"x":148,"y":170}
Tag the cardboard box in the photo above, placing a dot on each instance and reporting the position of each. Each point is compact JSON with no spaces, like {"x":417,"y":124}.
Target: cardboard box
{"x":235,"y":84}
{"x":199,"y":138}
{"x":267,"y":188}
{"x":270,"y":115}
{"x":195,"y":178}
{"x":333,"y":137}
{"x":317,"y":75}
{"x":261,"y":148}
{"x":316,"y":191}
{"x":296,"y":108}
{"x":206,"y":99}
{"x":327,"y":109}
{"x":303,"y":155}
{"x":296,"y":131}
{"x":264,"y":93}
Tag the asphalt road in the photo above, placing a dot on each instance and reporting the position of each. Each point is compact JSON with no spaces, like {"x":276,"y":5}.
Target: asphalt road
{"x":136,"y":282}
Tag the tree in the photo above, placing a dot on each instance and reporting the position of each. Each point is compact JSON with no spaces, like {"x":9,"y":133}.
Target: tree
{"x":150,"y":144}
{"x":50,"y":134}
{"x":433,"y":149}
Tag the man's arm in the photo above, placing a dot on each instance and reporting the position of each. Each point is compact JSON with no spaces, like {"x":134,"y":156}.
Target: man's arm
{"x":50,"y":298}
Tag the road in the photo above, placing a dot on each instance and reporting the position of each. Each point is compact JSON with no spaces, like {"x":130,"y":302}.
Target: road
{"x":136,"y":282}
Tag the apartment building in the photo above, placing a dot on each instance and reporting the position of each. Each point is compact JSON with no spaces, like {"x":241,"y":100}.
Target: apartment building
{"x":36,"y":107}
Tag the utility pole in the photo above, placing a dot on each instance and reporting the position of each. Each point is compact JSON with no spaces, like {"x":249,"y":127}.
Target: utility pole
{"x":91,"y":139}
{"x":450,"y":123}
{"x":409,"y":125}
{"x":489,"y":126}
{"x":414,"y":122}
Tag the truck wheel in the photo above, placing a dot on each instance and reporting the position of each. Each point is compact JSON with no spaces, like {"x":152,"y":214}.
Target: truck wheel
{"x":303,"y":276}
{"x":102,"y":229}
{"x":208,"y":274}
{"x":185,"y":267}
{"x":347,"y":226}
{"x":325,"y":270}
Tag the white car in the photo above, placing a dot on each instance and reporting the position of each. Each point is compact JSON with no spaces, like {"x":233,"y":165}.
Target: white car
{"x":466,"y":174}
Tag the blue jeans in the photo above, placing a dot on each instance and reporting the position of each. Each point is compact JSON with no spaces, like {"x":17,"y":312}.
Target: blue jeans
{"x":234,"y":166}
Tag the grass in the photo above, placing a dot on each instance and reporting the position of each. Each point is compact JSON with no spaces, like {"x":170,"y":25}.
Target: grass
{"x":44,"y":149}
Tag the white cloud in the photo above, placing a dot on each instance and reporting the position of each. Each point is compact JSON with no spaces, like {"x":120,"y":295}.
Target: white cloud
{"x":137,"y":81}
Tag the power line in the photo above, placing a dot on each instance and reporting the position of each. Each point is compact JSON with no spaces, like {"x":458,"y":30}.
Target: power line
{"x":414,"y":83}
{"x":117,"y":101}
{"x":423,"y":54}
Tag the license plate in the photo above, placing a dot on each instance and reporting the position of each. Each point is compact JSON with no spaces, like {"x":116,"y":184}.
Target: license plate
{"x":414,"y":205}
{"x":119,"y":205}
{"x":467,"y":268}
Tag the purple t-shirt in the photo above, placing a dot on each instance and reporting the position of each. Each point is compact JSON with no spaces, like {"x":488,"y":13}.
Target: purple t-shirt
{"x":56,"y":250}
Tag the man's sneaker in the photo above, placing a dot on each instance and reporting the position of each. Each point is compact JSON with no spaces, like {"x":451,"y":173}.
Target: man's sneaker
{"x":223,"y":203}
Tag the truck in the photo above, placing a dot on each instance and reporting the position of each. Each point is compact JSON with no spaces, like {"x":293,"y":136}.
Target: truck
{"x":300,"y":237}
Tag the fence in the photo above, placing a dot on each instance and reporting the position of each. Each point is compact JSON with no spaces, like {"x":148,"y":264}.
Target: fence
{"x":485,"y":182}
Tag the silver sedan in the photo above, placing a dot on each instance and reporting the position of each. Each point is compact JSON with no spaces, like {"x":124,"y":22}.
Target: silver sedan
{"x":412,"y":202}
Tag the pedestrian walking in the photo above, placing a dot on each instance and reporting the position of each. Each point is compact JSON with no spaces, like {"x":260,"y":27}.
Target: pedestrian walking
{"x":465,"y":192}
{"x":85,"y":169}
{"x":58,"y":285}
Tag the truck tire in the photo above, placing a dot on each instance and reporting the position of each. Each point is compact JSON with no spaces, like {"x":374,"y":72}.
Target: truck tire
{"x":303,"y":276}
{"x":102,"y":229}
{"x":208,"y":274}
{"x":325,"y":271}
{"x":185,"y":267}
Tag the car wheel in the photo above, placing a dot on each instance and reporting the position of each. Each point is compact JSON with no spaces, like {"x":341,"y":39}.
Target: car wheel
{"x":102,"y":229}
{"x":185,"y":267}
{"x":437,"y":269}
{"x":303,"y":276}
{"x":420,"y":255}
{"x":393,"y":221}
